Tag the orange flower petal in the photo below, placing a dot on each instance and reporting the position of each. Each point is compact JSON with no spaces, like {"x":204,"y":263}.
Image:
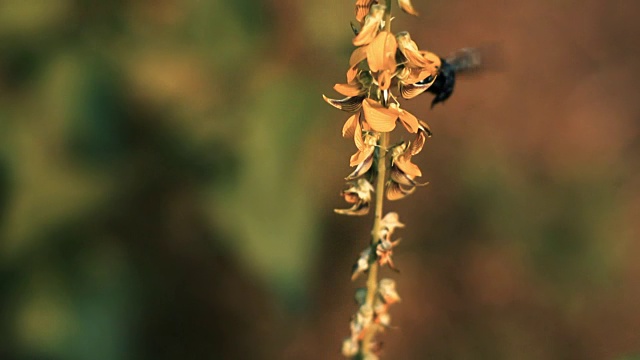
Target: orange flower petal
{"x":349,"y":89}
{"x":349,"y":128}
{"x":396,"y":192}
{"x":423,"y":132}
{"x":358,"y":55}
{"x":352,"y":74}
{"x":403,"y":162}
{"x":409,"y":121}
{"x":361,"y":155}
{"x":381,"y":52}
{"x":406,"y":6}
{"x":380,"y":119}
{"x":357,"y":136}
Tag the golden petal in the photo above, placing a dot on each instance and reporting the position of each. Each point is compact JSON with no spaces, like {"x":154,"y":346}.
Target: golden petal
{"x":362,"y":168}
{"x":357,"y":135}
{"x":403,"y":162}
{"x":358,"y":55}
{"x":349,"y":89}
{"x":418,"y":143}
{"x":406,"y":6}
{"x":409,"y":121}
{"x":396,"y":192}
{"x":382,"y":51}
{"x":349,"y":104}
{"x":401,"y":178}
{"x":361,"y":156}
{"x":349,"y":128}
{"x":380,"y":119}
{"x":352,"y":75}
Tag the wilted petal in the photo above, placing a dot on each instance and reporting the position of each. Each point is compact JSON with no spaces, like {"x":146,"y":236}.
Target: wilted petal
{"x":349,"y":128}
{"x":381,"y":53}
{"x":391,"y":221}
{"x":371,"y":26}
{"x":349,"y":104}
{"x":358,"y":194}
{"x":406,"y":6}
{"x":349,"y":89}
{"x":379,"y":117}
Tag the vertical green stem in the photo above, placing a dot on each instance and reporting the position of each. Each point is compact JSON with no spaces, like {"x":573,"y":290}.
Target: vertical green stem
{"x":372,"y":279}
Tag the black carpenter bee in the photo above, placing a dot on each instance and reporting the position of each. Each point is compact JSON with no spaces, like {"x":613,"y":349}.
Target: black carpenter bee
{"x":463,"y":60}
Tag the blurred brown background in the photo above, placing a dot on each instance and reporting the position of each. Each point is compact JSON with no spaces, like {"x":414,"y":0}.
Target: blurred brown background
{"x":168,"y":172}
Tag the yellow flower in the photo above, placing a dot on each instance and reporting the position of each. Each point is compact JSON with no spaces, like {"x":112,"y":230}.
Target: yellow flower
{"x":403,"y":171}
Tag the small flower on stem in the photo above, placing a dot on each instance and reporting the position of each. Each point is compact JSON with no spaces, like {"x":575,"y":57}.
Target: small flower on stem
{"x":358,"y":194}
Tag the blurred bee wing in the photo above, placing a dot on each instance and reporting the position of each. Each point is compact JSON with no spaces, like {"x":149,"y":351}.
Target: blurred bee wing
{"x":488,"y":57}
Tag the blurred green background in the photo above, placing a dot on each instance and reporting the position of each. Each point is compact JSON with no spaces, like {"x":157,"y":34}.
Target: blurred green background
{"x":168,"y":172}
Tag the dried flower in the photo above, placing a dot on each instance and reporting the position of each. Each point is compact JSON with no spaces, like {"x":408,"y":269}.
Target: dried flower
{"x":358,"y":194}
{"x":362,"y":264}
{"x":384,"y":251}
{"x":350,"y":347}
{"x":387,"y":291}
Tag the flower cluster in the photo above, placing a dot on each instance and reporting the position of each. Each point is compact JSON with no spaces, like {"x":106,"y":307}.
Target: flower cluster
{"x":383,"y":68}
{"x":370,"y":316}
{"x":383,"y":246}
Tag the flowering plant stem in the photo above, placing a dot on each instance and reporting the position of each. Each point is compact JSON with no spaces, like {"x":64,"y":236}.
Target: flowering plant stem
{"x":372,"y":279}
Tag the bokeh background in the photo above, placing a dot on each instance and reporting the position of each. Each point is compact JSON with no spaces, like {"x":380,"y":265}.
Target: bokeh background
{"x":168,"y":172}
